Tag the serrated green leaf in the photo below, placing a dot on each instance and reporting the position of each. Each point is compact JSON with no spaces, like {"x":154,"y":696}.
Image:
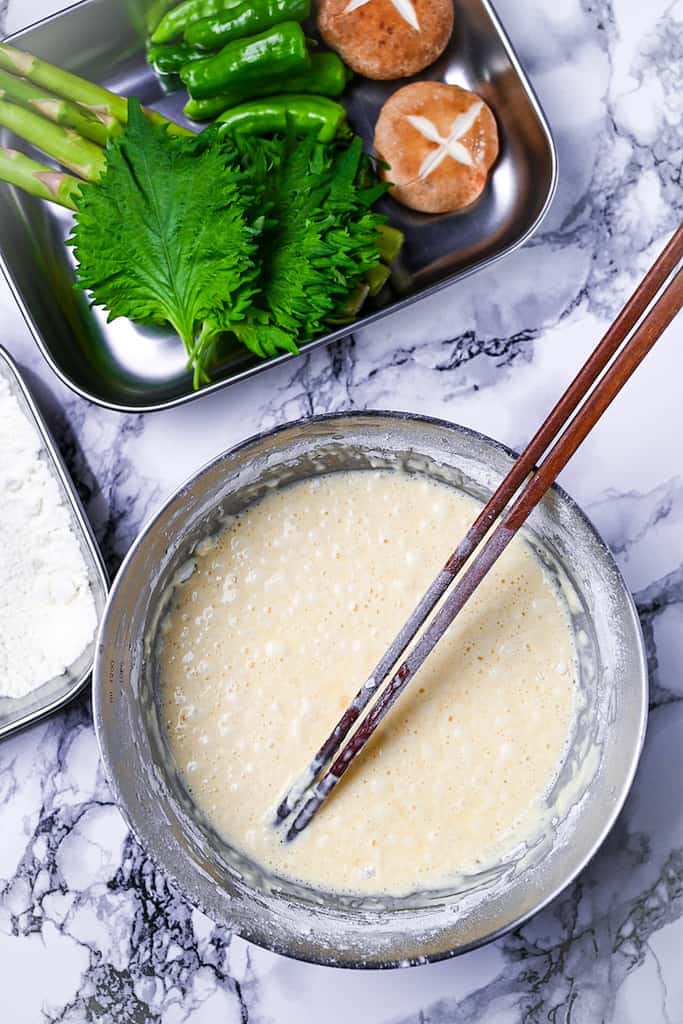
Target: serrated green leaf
{"x":320,"y":239}
{"x":167,"y":233}
{"x":263,"y":241}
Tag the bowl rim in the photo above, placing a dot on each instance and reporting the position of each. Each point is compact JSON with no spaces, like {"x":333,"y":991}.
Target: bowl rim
{"x":631,"y":766}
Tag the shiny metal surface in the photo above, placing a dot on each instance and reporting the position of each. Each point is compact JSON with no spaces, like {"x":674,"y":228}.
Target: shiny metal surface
{"x":15,"y":714}
{"x":140,"y":369}
{"x":331,"y":928}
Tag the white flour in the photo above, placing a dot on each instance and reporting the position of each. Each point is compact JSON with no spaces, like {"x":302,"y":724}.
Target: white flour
{"x":47,"y":610}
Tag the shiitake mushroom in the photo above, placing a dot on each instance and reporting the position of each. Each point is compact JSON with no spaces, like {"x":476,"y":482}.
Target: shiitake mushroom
{"x":385,"y":39}
{"x":440,"y":142}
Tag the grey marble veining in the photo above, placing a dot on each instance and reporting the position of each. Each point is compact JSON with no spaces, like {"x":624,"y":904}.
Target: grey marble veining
{"x":89,"y":930}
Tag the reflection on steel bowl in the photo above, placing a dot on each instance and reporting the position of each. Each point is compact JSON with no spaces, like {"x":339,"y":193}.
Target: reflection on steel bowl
{"x":368,"y":930}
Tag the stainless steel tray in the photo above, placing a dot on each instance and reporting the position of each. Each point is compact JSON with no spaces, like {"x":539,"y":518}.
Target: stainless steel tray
{"x":129,"y":368}
{"x":15,"y":714}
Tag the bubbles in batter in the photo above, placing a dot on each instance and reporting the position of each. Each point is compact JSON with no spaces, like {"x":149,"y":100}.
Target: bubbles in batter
{"x":285,"y":615}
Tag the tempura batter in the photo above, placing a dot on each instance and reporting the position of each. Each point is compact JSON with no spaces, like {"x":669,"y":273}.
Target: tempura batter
{"x":285,"y":616}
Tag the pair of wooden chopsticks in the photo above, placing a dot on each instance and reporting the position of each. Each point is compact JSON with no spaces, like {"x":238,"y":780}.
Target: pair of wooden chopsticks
{"x":617,"y":356}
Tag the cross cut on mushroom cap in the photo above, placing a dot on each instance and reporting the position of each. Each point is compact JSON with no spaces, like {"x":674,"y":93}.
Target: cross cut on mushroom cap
{"x":404,"y":7}
{"x":449,"y":146}
{"x":437,"y":143}
{"x":386,"y":39}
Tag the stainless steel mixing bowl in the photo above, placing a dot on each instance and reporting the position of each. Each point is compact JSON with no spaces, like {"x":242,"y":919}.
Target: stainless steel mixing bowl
{"x":331,"y":928}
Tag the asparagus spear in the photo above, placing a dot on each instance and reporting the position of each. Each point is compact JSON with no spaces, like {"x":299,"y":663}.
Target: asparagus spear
{"x":63,"y":144}
{"x":353,"y":305}
{"x":390,"y":243}
{"x":17,"y":169}
{"x":93,"y":97}
{"x":60,"y":111}
{"x":377,"y":277}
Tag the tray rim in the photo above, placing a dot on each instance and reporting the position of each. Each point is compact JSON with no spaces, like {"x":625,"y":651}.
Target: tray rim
{"x":332,"y":336}
{"x":57,"y":462}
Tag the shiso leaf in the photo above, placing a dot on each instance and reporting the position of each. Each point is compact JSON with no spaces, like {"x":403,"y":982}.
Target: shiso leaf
{"x":319,"y":240}
{"x":261,"y":241}
{"x":167,"y":234}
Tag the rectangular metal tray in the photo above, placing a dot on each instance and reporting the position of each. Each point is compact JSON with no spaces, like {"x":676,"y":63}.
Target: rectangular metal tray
{"x":17,"y":713}
{"x":129,"y":368}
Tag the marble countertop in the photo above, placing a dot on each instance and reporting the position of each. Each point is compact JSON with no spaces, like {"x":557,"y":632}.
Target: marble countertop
{"x":89,"y":929}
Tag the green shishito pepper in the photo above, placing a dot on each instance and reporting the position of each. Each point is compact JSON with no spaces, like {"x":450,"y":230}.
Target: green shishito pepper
{"x":327,"y":76}
{"x":251,"y":16}
{"x":156,"y":11}
{"x":279,"y":114}
{"x":277,"y":51}
{"x":169,"y":59}
{"x":177,"y":20}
